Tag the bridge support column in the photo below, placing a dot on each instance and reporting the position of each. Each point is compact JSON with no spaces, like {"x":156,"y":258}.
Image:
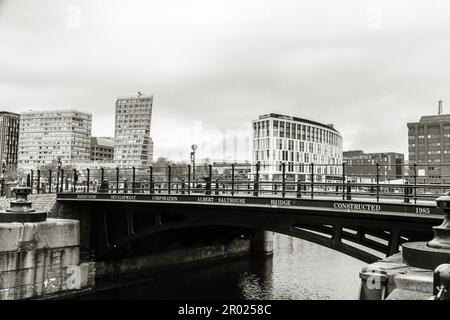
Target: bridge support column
{"x":262,"y":242}
{"x":39,"y":257}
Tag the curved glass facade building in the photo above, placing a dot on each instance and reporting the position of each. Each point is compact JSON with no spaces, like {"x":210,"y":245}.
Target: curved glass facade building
{"x":297,"y":143}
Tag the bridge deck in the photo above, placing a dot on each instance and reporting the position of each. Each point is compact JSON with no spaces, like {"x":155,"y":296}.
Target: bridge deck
{"x":360,"y":205}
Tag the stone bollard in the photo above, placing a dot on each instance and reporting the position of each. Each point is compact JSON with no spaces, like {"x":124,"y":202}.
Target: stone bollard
{"x":441,"y":238}
{"x":429,"y":255}
{"x":21,"y":209}
{"x":373,"y":284}
{"x":441,"y":282}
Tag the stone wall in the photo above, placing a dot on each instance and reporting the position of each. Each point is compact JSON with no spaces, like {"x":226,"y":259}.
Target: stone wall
{"x":42,"y":259}
{"x":163,"y":259}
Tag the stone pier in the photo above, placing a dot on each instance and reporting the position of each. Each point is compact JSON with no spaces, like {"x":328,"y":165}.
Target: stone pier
{"x":421,"y":271}
{"x":262,"y":242}
{"x":42,"y":259}
{"x":393,"y":279}
{"x":39,"y":257}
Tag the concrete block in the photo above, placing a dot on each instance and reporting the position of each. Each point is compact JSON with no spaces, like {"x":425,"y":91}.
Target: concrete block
{"x":402,"y":294}
{"x":26,"y":259}
{"x":15,"y":278}
{"x":56,"y":233}
{"x":24,"y":291}
{"x":10,"y":236}
{"x":415,"y":282}
{"x":52,"y":283}
{"x":38,"y":289}
{"x":8,"y":261}
{"x":53,"y":233}
{"x":7,"y":294}
{"x":70,"y":256}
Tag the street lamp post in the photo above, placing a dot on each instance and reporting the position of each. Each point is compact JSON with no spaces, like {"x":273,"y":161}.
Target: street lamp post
{"x":58,"y":163}
{"x":3,"y":178}
{"x":194,"y":148}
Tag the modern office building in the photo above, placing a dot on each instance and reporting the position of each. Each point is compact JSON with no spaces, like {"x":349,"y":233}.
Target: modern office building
{"x":102,"y":149}
{"x":46,"y":135}
{"x":362,"y":167}
{"x":296,"y":142}
{"x":9,"y":139}
{"x":133,"y":145}
{"x":429,"y":147}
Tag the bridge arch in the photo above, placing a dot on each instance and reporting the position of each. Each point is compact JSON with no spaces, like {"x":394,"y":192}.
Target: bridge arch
{"x":336,"y":230}
{"x":304,"y":234}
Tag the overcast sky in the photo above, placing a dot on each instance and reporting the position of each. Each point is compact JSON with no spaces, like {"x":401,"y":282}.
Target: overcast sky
{"x":368,"y":67}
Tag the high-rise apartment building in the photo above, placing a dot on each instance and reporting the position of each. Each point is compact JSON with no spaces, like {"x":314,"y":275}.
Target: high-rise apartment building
{"x":9,"y":139}
{"x":296,"y":142}
{"x":102,"y":149}
{"x":46,"y":135}
{"x":429,"y":146}
{"x":133,"y":145}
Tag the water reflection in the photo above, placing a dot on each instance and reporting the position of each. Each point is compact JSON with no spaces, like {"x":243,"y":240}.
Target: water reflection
{"x":298,"y":270}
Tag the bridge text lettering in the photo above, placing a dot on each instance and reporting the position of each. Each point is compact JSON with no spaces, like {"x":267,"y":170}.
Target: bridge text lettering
{"x":164,"y":198}
{"x":357,"y":206}
{"x":120,"y":197}
{"x":285,"y":203}
{"x":231,"y":200}
{"x":423,"y":210}
{"x":86,"y":196}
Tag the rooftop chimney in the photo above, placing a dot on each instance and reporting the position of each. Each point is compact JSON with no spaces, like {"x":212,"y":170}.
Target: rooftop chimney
{"x":440,"y":107}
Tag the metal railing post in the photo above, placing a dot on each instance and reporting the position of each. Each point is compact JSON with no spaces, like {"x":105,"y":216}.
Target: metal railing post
{"x":102,"y":175}
{"x":117,"y":179}
{"x":378,"y":182}
{"x":232,"y":179}
{"x":283,"y":179}
{"x":256,"y":185}
{"x":405,"y":192}
{"x":152,"y":184}
{"x":88,"y":182}
{"x":2,"y":191}
{"x":58,"y":173}
{"x":209,"y":183}
{"x":31,"y":181}
{"x":50,"y":181}
{"x":169,"y":177}
{"x":299,"y":189}
{"x":38,"y":186}
{"x":133,"y":182}
{"x":67,"y":184}
{"x":349,"y":190}
{"x":62,"y":180}
{"x":75,"y":178}
{"x":343,"y":180}
{"x":189,"y":179}
{"x":312,"y":180}
{"x":415,"y":183}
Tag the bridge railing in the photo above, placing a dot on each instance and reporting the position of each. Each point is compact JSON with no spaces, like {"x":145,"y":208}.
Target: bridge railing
{"x":407,"y":183}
